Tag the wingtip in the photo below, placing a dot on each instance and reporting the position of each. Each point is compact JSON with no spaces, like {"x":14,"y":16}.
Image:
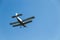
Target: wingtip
{"x":33,"y":16}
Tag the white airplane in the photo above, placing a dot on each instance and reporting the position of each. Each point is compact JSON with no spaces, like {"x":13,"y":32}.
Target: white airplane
{"x":21,"y":22}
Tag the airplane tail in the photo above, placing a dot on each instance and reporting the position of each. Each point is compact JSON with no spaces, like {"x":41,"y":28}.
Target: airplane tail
{"x":17,"y":15}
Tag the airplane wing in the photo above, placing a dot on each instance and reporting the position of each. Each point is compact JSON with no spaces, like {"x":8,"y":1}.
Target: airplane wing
{"x":16,"y":25}
{"x":29,"y":18}
{"x":28,"y":22}
{"x":13,"y":23}
{"x":20,"y":24}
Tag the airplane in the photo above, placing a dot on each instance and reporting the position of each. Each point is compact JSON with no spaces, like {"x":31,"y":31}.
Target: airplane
{"x":21,"y":22}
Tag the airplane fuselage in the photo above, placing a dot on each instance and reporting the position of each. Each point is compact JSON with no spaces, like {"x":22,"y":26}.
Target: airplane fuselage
{"x":20,"y":21}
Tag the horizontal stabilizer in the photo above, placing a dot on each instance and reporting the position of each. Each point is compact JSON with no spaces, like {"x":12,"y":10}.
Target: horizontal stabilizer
{"x":29,"y":18}
{"x":13,"y":16}
{"x":17,"y":15}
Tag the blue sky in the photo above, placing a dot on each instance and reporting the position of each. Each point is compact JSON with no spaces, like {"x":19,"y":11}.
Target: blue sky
{"x":45,"y":26}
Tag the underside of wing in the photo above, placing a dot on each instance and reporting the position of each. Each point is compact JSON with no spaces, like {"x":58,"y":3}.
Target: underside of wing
{"x":28,"y":22}
{"x":13,"y":23}
{"x":29,"y":18}
{"x":16,"y":25}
